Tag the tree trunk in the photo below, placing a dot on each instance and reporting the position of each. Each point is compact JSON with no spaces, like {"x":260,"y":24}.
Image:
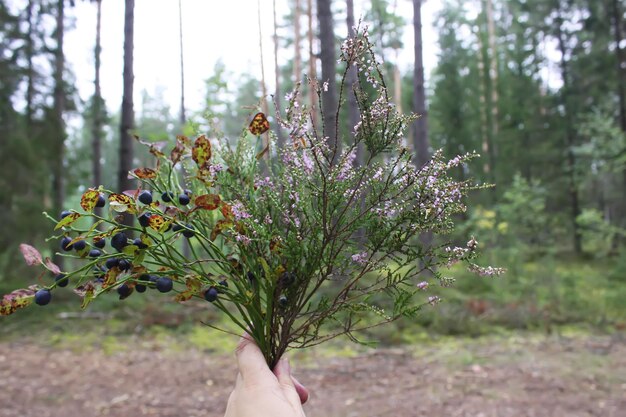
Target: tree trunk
{"x":58,"y":183}
{"x":420,"y":126}
{"x":569,"y":137}
{"x":30,"y":87}
{"x":182,"y":117}
{"x":329,"y":69}
{"x":128,"y":115}
{"x":351,"y":80}
{"x":312,"y":65}
{"x":97,"y":108}
{"x":492,"y":56}
{"x":297,"y":57}
{"x":485,"y":130}
{"x":280,"y":140}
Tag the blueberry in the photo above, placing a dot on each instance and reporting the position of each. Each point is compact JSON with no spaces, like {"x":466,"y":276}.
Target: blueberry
{"x":119,"y":241}
{"x":124,"y":265}
{"x":167,"y":196}
{"x":101,"y":201}
{"x":43,"y":297}
{"x":223,"y":283}
{"x":287,"y":278}
{"x":177,"y":227}
{"x":65,"y":244}
{"x":61,"y":280}
{"x":211,"y":294}
{"x":100,"y":243}
{"x":183,"y":199}
{"x":144,"y":277}
{"x":188,"y":233}
{"x":140,"y":287}
{"x":124,"y":291}
{"x":111,"y":262}
{"x":145,"y":197}
{"x":164,"y":284}
{"x":137,"y":242}
{"x":80,"y":245}
{"x":94,"y":253}
{"x":282,"y":301}
{"x":65,"y":213}
{"x":144,"y":219}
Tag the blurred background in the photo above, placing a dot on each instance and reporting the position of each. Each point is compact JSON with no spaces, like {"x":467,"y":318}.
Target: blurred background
{"x":537,"y":87}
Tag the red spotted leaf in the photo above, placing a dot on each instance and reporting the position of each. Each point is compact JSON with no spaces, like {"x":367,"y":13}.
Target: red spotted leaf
{"x":157,"y":222}
{"x":89,"y":199}
{"x":179,"y":148}
{"x":194,"y":286}
{"x":67,"y":220}
{"x":208,"y":201}
{"x":201,"y":151}
{"x":145,"y":173}
{"x":110,"y":278}
{"x":227,"y":210}
{"x":220,"y":226}
{"x":122,"y":203}
{"x":259,"y":124}
{"x":54,"y":268}
{"x":17,"y":299}
{"x":31,"y":255}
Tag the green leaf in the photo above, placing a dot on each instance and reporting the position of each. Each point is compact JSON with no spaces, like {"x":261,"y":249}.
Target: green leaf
{"x":67,"y":220}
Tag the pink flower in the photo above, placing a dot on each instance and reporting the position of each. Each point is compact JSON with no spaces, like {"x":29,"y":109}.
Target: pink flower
{"x":422,"y":286}
{"x":360,"y":258}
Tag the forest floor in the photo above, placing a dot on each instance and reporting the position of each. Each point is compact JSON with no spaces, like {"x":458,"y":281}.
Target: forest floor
{"x":517,"y":375}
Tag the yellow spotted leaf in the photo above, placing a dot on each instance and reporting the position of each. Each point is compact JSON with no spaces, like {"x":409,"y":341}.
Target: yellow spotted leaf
{"x":145,"y":173}
{"x":220,"y":226}
{"x":122,"y":203}
{"x":131,"y":250}
{"x":259,"y":124}
{"x":17,"y":299}
{"x":156,"y":222}
{"x":89,"y":199}
{"x":201,"y":151}
{"x":110,"y":278}
{"x":208,"y":201}
{"x":67,"y":220}
{"x":194,"y":286}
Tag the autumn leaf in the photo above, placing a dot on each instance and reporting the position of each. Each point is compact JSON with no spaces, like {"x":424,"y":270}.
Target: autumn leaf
{"x":89,"y":199}
{"x":194,"y":287}
{"x":259,"y":124}
{"x":156,"y":222}
{"x":67,"y":220}
{"x":122,"y":203}
{"x":201,"y":151}
{"x":86,"y":292}
{"x":17,"y":299}
{"x":179,"y":148}
{"x":155,"y":147}
{"x":144,"y":173}
{"x":54,"y":268}
{"x":208,"y":201}
{"x":31,"y":255}
{"x":227,"y":210}
{"x":220,"y":226}
{"x":110,"y":278}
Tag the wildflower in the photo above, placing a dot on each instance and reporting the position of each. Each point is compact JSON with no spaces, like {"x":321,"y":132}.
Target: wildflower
{"x":360,"y":258}
{"x":422,"y":286}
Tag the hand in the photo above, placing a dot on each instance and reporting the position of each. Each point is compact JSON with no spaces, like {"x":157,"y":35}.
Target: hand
{"x":260,"y":392}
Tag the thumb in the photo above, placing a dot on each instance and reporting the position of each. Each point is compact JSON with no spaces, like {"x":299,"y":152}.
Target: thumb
{"x":283,"y":374}
{"x":251,"y":362}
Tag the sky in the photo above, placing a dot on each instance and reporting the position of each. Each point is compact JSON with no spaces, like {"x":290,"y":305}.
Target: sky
{"x":212,"y":30}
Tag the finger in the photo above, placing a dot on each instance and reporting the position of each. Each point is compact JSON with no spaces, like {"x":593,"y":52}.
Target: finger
{"x":283,"y":374}
{"x":251,"y":362}
{"x":302,"y":391}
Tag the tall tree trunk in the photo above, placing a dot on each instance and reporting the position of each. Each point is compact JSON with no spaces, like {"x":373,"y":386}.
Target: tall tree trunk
{"x":58,"y":184}
{"x":30,"y":87}
{"x":312,"y":64}
{"x":351,"y":80}
{"x":569,"y":136}
{"x":97,"y":107}
{"x":485,"y":130}
{"x":128,"y":114}
{"x":492,"y":56}
{"x":297,"y":56}
{"x":329,"y":69}
{"x":264,"y":106}
{"x":182,"y":117}
{"x":280,"y":140}
{"x":420,"y":126}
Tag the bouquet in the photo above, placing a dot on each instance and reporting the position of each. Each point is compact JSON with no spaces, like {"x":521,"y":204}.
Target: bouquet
{"x":296,"y":245}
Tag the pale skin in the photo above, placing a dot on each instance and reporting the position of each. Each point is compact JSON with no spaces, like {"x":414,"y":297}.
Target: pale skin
{"x":261,"y":392}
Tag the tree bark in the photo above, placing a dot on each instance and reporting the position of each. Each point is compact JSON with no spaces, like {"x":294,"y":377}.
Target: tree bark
{"x":312,"y":64}
{"x":492,"y":57}
{"x":420,"y":126}
{"x":280,"y":140}
{"x":329,"y":69}
{"x":351,"y":80}
{"x":58,"y":183}
{"x":297,"y":56}
{"x":97,"y":107}
{"x":128,"y":114}
{"x":30,"y":87}
{"x":182,"y":117}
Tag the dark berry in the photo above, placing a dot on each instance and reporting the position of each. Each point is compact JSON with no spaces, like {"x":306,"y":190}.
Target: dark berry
{"x":145,"y":197}
{"x":124,"y":265}
{"x":138,"y":242}
{"x":111,"y":262}
{"x":94,"y":253}
{"x":80,"y":245}
{"x":144,"y":277}
{"x":211,"y":294}
{"x":144,"y":219}
{"x":167,"y":196}
{"x":177,"y":227}
{"x":65,"y":244}
{"x":282,"y":301}
{"x":287,"y":278}
{"x":124,"y":291}
{"x":153,"y":278}
{"x":188,"y":191}
{"x":183,"y":199}
{"x":164,"y":284}
{"x":61,"y":280}
{"x":100,"y":243}
{"x":65,"y":213}
{"x":119,"y":241}
{"x":223,"y":283}
{"x":43,"y":297}
{"x":188,"y":233}
{"x":140,"y":287}
{"x":101,"y":201}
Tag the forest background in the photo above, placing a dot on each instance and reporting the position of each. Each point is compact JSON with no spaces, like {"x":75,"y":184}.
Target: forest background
{"x":536,"y":86}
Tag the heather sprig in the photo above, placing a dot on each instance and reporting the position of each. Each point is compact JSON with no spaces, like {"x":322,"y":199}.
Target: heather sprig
{"x":295,"y":248}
